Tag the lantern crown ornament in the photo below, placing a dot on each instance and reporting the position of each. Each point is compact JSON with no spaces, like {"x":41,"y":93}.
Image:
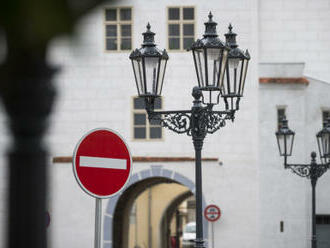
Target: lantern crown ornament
{"x":323,"y":141}
{"x":234,"y":52}
{"x":149,"y":65}
{"x":210,"y":58}
{"x":235,"y":73}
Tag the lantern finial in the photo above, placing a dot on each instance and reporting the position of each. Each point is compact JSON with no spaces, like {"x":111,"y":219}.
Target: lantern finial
{"x":231,"y":37}
{"x":230,"y":27}
{"x":148,"y":37}
{"x":210,"y":17}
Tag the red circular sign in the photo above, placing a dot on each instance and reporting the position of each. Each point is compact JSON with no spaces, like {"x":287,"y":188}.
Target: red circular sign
{"x":101,"y":163}
{"x":212,"y":213}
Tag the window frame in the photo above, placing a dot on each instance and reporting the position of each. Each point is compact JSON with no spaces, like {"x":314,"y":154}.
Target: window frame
{"x":118,"y":24}
{"x":181,"y":22}
{"x":277,"y":115}
{"x":324,"y":110}
{"x":148,"y":125}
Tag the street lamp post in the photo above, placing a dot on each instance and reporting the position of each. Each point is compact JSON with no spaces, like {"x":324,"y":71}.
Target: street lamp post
{"x":313,"y":171}
{"x":215,"y":62}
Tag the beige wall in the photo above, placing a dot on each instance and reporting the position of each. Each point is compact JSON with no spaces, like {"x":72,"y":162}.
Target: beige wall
{"x":161,"y":196}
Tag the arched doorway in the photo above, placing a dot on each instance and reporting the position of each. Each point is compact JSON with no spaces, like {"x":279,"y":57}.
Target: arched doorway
{"x":171,"y":210}
{"x":116,"y":218}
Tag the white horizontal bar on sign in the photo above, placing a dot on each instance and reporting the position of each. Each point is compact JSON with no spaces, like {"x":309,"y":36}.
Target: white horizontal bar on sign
{"x":107,"y":163}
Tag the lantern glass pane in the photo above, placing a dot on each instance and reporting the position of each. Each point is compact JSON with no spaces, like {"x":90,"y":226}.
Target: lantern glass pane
{"x":289,"y":140}
{"x":200,"y":66}
{"x":211,"y":96}
{"x":326,"y":144}
{"x":285,"y":144}
{"x":222,"y":67}
{"x":232,"y":77}
{"x":162,"y":69}
{"x":137,"y":67}
{"x":151,"y":69}
{"x":243,"y":76}
{"x":213,"y":63}
{"x":280,"y":143}
{"x":233,"y":63}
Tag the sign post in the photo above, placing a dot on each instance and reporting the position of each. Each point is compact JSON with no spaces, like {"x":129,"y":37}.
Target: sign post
{"x":102,"y":167}
{"x":212,"y":213}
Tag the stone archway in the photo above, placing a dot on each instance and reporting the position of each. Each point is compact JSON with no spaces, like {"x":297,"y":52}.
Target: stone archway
{"x":159,"y":174}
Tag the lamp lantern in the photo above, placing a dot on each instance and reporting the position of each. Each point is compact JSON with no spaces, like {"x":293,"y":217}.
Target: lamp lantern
{"x":149,"y":65}
{"x":235,"y":72}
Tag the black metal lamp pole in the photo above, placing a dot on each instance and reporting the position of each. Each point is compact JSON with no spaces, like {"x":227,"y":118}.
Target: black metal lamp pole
{"x":213,"y":60}
{"x":313,"y":171}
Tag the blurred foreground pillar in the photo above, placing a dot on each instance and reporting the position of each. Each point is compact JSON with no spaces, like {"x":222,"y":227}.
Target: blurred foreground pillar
{"x":27,"y":95}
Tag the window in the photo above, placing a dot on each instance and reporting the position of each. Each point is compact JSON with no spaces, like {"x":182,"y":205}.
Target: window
{"x":181,"y":27}
{"x":325,"y":116}
{"x":142,"y":128}
{"x":118,"y":29}
{"x":323,"y":219}
{"x":280,"y":115}
{"x":323,"y":230}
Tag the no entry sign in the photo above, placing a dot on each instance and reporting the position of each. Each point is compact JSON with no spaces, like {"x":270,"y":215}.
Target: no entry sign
{"x":212,"y":213}
{"x":102,"y":163}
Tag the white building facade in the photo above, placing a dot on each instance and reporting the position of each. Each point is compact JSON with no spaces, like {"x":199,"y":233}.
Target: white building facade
{"x":262,"y":204}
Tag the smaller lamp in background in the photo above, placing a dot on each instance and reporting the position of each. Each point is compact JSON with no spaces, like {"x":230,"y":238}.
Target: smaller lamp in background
{"x":323,"y":141}
{"x":285,"y":138}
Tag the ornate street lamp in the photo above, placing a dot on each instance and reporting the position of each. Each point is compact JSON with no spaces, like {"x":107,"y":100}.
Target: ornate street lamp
{"x":312,"y":171}
{"x":210,"y":57}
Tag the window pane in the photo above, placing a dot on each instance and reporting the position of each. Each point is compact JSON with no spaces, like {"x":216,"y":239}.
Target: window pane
{"x":155,"y":122}
{"x":280,"y":115}
{"x":139,"y":133}
{"x":174,"y":43}
{"x":325,"y":116}
{"x":139,"y":103}
{"x":174,"y":29}
{"x":111,"y":30}
{"x":110,"y":14}
{"x":111,"y":44}
{"x":139,"y":119}
{"x":125,"y":30}
{"x":125,"y":44}
{"x":158,"y":103}
{"x":125,"y":14}
{"x":188,"y":29}
{"x":188,"y":13}
{"x":187,"y":42}
{"x":173,"y":13}
{"x":155,"y":132}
